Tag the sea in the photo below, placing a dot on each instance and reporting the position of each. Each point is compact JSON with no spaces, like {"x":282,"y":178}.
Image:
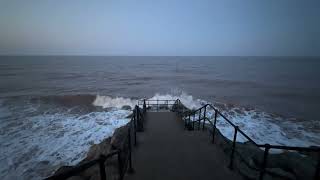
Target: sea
{"x":54,"y":108}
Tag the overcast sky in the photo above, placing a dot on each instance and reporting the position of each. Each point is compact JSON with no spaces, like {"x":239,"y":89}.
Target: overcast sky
{"x":160,"y":27}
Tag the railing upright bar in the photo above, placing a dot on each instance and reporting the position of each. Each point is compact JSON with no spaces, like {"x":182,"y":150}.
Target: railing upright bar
{"x":199,"y":120}
{"x":189,"y":123}
{"x":214,"y":125}
{"x":264,"y":163}
{"x":138,"y":118}
{"x":130,"y":149}
{"x":204,"y":117}
{"x":194,"y":117}
{"x":144,"y":106}
{"x":135,"y":127}
{"x":233,"y":146}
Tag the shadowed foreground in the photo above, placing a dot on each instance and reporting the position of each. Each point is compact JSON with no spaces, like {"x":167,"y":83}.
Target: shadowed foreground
{"x":167,"y":151}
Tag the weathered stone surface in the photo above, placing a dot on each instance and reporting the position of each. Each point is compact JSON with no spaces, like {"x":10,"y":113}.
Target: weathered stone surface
{"x":130,"y":116}
{"x":117,"y":141}
{"x":277,"y":173}
{"x":248,"y":160}
{"x":94,"y":170}
{"x":96,"y":150}
{"x":95,"y":177}
{"x":119,"y":138}
{"x":62,"y":169}
{"x":76,"y":178}
{"x":126,"y":107}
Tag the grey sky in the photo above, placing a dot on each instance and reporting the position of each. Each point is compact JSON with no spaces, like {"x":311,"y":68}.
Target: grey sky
{"x":160,"y":27}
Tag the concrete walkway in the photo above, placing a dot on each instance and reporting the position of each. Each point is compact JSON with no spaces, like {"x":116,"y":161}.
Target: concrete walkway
{"x":167,"y":151}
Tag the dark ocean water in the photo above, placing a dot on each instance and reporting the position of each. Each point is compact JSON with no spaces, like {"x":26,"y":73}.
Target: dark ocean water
{"x":287,"y":86}
{"x":52,"y":109}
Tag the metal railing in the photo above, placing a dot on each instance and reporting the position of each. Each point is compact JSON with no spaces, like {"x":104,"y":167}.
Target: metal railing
{"x":201,"y":112}
{"x":135,"y":124}
{"x":159,"y":104}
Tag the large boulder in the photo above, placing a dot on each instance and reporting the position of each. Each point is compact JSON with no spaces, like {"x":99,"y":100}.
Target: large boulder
{"x":120,"y":138}
{"x":117,"y":142}
{"x":278,"y":174}
{"x":96,"y":150}
{"x":126,"y":107}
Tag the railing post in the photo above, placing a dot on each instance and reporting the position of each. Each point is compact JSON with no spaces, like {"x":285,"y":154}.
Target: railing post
{"x":204,"y":117}
{"x":138,"y":118}
{"x":189,"y":121}
{"x":103,"y":175}
{"x":199,"y":119}
{"x":135,"y":127}
{"x":141,"y":120}
{"x":317,"y":174}
{"x":194,"y":117}
{"x":265,"y":159}
{"x":144,"y":106}
{"x":214,"y":125}
{"x":130,"y":149}
{"x":233,"y":146}
{"x":157,"y":106}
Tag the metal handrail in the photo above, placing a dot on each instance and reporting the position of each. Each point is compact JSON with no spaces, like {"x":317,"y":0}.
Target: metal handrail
{"x":74,"y":171}
{"x":135,"y":121}
{"x":156,"y":102}
{"x":266,"y":147}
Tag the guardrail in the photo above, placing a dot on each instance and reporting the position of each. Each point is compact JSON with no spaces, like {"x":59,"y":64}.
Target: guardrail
{"x":159,"y":104}
{"x":202,"y":118}
{"x":135,"y":124}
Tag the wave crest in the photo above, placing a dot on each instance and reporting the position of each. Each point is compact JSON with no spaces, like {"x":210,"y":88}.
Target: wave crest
{"x":118,"y":102}
{"x":186,"y":99}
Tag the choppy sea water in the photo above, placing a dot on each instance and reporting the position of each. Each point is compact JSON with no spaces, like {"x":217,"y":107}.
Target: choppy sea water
{"x":52,"y":109}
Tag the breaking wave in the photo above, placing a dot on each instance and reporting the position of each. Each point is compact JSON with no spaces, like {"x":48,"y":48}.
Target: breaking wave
{"x":117,"y":102}
{"x":40,"y":134}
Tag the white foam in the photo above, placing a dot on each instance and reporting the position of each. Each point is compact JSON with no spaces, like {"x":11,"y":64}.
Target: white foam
{"x":118,"y":102}
{"x":37,"y":146}
{"x":261,"y":127}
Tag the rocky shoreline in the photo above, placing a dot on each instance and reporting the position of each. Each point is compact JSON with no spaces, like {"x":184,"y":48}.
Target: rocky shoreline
{"x":286,"y":165}
{"x":118,"y":141}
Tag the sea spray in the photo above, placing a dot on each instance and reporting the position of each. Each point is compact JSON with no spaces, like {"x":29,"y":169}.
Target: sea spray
{"x":118,"y":102}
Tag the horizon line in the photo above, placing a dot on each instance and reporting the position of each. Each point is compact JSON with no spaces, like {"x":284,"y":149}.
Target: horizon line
{"x":88,"y":55}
